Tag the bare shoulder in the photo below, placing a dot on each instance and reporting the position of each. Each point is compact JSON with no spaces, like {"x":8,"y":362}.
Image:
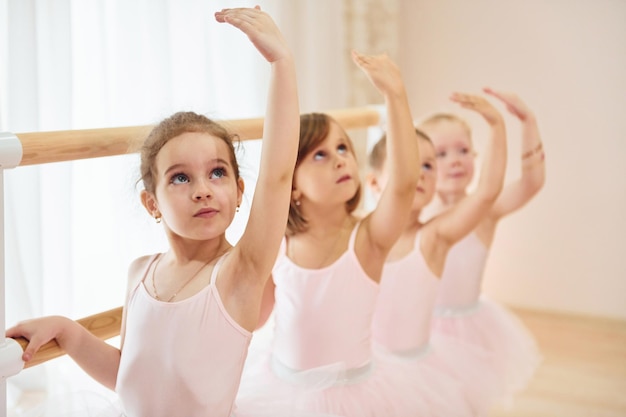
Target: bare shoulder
{"x":139,"y":265}
{"x":136,"y":270}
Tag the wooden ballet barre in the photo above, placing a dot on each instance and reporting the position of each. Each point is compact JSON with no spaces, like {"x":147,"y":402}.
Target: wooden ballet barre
{"x":103,"y":325}
{"x":70,"y":145}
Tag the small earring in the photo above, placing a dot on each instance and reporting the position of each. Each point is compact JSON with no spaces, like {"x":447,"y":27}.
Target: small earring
{"x":157,"y":219}
{"x":237,"y":209}
{"x":297,"y":202}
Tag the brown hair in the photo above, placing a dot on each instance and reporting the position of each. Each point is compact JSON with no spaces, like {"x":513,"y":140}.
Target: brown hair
{"x":314,"y":129}
{"x":378,"y":154}
{"x":173,"y":126}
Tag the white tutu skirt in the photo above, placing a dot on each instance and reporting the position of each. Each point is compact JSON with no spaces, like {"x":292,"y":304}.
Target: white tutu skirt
{"x":455,"y":378}
{"x":90,"y":404}
{"x":387,"y":387}
{"x":470,"y":365}
{"x":434,"y":380}
{"x":514,"y":355}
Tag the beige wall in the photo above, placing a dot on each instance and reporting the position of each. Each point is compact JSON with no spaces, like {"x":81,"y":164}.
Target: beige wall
{"x":566,"y":250}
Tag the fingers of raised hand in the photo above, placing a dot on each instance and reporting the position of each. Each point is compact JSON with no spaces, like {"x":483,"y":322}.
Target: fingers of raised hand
{"x":241,"y":16}
{"x":363,"y":60}
{"x":506,"y":97}
{"x":260,"y":29}
{"x":248,"y":20}
{"x":467,"y":100}
{"x":379,"y":66}
{"x":358,"y":58}
{"x":492,"y":92}
{"x":513,"y":103}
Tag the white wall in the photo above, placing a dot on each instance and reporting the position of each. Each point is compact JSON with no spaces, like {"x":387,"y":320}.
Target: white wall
{"x":565,"y":251}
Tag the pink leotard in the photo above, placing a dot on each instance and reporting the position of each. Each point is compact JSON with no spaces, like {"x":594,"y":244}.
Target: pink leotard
{"x":403,"y":314}
{"x":181,"y":358}
{"x":463,"y":274}
{"x":323,"y":316}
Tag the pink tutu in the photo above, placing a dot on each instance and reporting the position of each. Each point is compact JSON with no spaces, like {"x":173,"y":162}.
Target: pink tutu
{"x":380,"y":388}
{"x":434,"y":381}
{"x":487,"y":325}
{"x":454,"y":377}
{"x":471,"y":366}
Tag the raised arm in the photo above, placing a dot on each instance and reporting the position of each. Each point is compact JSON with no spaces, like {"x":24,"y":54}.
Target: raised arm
{"x":259,"y":243}
{"x":385,"y":224}
{"x":462,"y":218}
{"x":516,"y":194}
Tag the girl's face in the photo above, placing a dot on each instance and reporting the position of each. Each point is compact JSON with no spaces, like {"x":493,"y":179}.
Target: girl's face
{"x":455,"y":156}
{"x":329,"y":174}
{"x":425,"y":190}
{"x":196,"y":190}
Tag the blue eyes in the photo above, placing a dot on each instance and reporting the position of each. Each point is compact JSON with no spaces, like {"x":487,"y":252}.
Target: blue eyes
{"x":319,"y":155}
{"x":427,"y":166}
{"x":341,"y":149}
{"x":462,"y":151}
{"x":180,"y":178}
{"x":218,"y":173}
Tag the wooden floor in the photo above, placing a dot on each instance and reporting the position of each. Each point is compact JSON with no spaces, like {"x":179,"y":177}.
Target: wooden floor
{"x":583,"y":373}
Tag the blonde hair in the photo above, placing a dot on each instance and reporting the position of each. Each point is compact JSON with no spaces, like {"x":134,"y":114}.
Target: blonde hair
{"x":444,"y":117}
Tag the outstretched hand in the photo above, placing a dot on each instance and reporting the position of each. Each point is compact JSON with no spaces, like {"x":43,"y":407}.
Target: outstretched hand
{"x":382,"y":72}
{"x":260,"y":28}
{"x":513,"y":103}
{"x":478,"y":104}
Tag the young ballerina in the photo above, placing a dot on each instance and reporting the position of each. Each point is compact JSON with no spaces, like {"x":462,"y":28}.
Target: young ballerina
{"x":325,"y":281}
{"x":455,"y":377}
{"x":461,"y":310}
{"x":190,"y":311}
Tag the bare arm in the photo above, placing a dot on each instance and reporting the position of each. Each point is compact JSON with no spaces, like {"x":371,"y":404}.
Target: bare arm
{"x":267,"y":303}
{"x":385,"y":224}
{"x":516,"y":194}
{"x":455,"y":223}
{"x":97,"y":358}
{"x":259,"y":244}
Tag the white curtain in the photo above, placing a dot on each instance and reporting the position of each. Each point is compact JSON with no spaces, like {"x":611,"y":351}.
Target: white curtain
{"x":72,"y":228}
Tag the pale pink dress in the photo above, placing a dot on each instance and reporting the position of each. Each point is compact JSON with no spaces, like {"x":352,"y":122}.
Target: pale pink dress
{"x":181,"y":358}
{"x":462,"y":312}
{"x":453,"y":377}
{"x":321,"y":352}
